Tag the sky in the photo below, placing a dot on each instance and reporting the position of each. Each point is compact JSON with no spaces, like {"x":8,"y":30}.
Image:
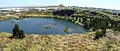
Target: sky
{"x":109,"y":4}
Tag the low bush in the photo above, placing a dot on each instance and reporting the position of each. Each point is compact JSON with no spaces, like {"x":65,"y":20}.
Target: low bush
{"x":99,"y":34}
{"x":117,"y":27}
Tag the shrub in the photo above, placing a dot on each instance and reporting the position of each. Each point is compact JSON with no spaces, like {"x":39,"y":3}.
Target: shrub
{"x":17,"y":33}
{"x":66,"y":30}
{"x":99,"y":34}
{"x":117,"y":27}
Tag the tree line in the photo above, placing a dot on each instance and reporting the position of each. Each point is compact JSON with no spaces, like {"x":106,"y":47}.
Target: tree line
{"x":91,"y":20}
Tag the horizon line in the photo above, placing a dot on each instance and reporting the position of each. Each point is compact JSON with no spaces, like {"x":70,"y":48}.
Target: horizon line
{"x":53,"y":5}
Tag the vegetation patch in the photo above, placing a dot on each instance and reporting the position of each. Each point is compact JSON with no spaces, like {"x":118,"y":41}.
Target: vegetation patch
{"x":66,"y":30}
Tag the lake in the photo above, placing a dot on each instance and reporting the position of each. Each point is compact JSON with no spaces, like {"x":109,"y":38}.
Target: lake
{"x":40,"y":26}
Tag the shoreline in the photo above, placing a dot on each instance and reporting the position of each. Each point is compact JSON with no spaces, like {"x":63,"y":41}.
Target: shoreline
{"x":38,"y":16}
{"x":27,"y":16}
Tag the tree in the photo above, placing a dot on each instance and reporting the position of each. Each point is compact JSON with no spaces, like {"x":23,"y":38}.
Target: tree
{"x":15,"y":30}
{"x":101,"y":25}
{"x":118,"y":14}
{"x":64,"y":12}
{"x":17,"y":33}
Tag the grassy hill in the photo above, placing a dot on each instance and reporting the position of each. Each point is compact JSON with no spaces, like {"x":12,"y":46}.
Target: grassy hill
{"x":71,"y":42}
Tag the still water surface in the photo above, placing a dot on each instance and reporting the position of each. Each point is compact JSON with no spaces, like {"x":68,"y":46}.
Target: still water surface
{"x":37,"y":26}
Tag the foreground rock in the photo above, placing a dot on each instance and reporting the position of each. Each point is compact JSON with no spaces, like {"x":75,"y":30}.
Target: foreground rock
{"x":71,"y":42}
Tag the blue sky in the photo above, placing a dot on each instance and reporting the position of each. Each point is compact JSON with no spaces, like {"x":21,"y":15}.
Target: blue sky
{"x":110,"y":4}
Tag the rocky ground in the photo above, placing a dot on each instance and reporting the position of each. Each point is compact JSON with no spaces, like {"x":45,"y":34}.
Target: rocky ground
{"x":71,"y":42}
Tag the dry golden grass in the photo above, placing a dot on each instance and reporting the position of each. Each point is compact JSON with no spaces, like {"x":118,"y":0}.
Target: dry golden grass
{"x":71,"y":42}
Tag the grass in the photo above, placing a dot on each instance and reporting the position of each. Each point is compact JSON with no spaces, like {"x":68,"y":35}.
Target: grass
{"x":71,"y":42}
